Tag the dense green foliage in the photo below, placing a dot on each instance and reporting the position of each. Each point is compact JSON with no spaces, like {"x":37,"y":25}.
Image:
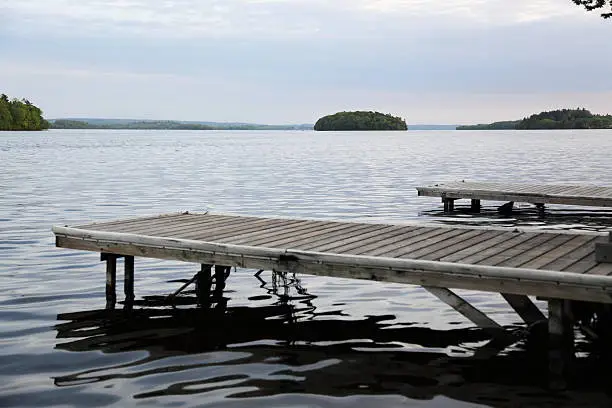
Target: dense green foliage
{"x":557,"y":119}
{"x":20,"y":115}
{"x":360,"y":120}
{"x":165,"y":125}
{"x":591,"y":5}
{"x":566,"y":119}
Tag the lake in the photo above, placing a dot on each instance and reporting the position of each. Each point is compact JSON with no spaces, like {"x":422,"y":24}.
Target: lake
{"x":308,"y":341}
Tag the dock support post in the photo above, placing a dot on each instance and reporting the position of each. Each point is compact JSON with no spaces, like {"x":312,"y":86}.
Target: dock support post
{"x":449,"y":204}
{"x":561,"y":342}
{"x":128,"y":280}
{"x":475,"y":207}
{"x":203,"y":284}
{"x":221,"y":274}
{"x":111,"y":279}
{"x":525,"y":308}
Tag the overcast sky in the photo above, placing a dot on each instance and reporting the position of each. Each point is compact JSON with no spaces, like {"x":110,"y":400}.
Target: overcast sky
{"x":291,"y":61}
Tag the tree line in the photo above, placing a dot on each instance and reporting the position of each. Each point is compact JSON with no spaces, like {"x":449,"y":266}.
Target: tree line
{"x":579,"y":118}
{"x":20,"y":115}
{"x":360,"y":120}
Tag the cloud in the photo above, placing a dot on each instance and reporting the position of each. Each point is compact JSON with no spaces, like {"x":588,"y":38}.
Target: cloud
{"x":272,"y":59}
{"x":289,"y":18}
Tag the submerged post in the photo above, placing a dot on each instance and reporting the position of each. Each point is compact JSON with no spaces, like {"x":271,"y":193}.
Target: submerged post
{"x":111,"y":279}
{"x":561,"y":342}
{"x":449,"y":204}
{"x":475,"y":206}
{"x":128,"y":279}
{"x":221,"y":274}
{"x":203,"y":283}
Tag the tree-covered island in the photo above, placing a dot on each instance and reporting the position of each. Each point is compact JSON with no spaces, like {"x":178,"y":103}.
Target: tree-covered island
{"x":20,"y":115}
{"x":557,"y":119}
{"x":360,"y":120}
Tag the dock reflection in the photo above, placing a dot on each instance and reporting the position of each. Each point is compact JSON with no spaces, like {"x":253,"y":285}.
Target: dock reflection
{"x":324,"y":356}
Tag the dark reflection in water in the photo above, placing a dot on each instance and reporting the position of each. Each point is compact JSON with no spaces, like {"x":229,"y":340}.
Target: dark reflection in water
{"x":255,"y":352}
{"x":526,"y":215}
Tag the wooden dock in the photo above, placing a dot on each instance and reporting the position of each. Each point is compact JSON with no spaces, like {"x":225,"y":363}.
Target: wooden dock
{"x":538,"y":194}
{"x":561,"y":267}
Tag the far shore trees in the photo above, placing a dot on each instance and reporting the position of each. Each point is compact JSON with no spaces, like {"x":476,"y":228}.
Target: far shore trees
{"x":20,"y":115}
{"x":557,"y":119}
{"x":360,"y":120}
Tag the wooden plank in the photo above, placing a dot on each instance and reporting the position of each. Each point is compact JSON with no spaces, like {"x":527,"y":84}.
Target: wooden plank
{"x":169,"y":229}
{"x":406,"y":240}
{"x":312,"y":244}
{"x":441,"y":245}
{"x":95,"y":225}
{"x":176,"y":224}
{"x":348,"y":242}
{"x":367,"y":239}
{"x":272,"y":226}
{"x":291,"y":240}
{"x":397,"y":236}
{"x":226,"y":228}
{"x":535,"y":251}
{"x":160,"y":224}
{"x":583,"y":251}
{"x":399,"y":247}
{"x":464,"y":242}
{"x":528,"y":242}
{"x":426,"y":244}
{"x":600,"y":269}
{"x":318,"y":229}
{"x":583,"y":265}
{"x":234,"y":229}
{"x":466,"y":309}
{"x":559,"y":252}
{"x":434,"y":275}
{"x":525,"y":308}
{"x":244,"y":238}
{"x":477,"y":249}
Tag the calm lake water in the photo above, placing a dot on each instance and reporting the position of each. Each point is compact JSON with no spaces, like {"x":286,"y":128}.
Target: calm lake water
{"x":311,"y":342}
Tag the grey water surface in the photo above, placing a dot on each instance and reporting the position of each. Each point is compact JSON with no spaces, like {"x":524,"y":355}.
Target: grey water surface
{"x":301,"y":342}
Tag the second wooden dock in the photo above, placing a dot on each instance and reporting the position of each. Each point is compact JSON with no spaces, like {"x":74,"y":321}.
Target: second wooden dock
{"x":538,"y":194}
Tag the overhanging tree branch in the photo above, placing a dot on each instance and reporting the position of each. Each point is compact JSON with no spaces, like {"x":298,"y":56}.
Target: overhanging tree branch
{"x":591,"y":5}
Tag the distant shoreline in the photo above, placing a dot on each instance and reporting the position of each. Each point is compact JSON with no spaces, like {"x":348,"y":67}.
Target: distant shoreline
{"x":123,"y":124}
{"x":550,"y":120}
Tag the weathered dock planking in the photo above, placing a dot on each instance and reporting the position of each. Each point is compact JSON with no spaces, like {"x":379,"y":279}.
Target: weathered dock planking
{"x":539,"y":194}
{"x":561,"y":267}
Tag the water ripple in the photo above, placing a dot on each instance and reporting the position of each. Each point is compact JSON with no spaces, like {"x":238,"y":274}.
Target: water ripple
{"x":318,"y":342}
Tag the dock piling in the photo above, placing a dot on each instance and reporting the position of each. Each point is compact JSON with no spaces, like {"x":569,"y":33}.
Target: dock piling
{"x":111,"y":279}
{"x":560,"y":342}
{"x":475,"y":205}
{"x":128,"y":279}
{"x":203,"y":284}
{"x":449,"y":204}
